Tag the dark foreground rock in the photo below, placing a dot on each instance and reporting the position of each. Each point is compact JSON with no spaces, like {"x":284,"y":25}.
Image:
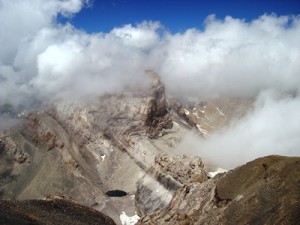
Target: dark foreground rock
{"x":56,"y":211}
{"x":264,"y":191}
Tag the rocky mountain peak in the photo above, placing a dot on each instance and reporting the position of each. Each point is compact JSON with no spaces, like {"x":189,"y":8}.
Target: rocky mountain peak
{"x":90,"y":152}
{"x":157,"y":117}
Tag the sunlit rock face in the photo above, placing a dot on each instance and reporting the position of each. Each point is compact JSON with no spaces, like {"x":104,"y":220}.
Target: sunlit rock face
{"x":118,"y":154}
{"x":169,"y":174}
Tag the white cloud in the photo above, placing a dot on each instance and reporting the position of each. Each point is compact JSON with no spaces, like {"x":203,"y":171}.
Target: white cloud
{"x":22,"y":19}
{"x":143,"y":36}
{"x":234,"y":58}
{"x":272,"y":128}
{"x":230,"y":57}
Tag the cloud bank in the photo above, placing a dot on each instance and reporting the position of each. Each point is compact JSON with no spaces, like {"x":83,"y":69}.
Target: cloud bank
{"x":41,"y":59}
{"x":271,"y":128}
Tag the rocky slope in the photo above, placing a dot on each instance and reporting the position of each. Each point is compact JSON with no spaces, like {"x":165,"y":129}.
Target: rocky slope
{"x":125,"y":144}
{"x":264,"y":191}
{"x":41,"y":212}
{"x":84,"y":150}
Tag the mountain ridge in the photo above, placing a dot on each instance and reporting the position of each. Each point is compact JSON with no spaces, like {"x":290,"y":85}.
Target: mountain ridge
{"x":126,"y":142}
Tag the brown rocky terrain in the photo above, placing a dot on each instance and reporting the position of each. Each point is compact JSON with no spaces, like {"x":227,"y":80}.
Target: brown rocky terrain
{"x":124,"y":144}
{"x":263,"y":191}
{"x":41,"y":212}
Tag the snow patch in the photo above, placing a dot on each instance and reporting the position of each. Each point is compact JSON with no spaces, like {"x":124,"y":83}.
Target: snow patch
{"x":174,"y":123}
{"x":128,"y":220}
{"x":196,"y":114}
{"x":22,"y":114}
{"x":222,"y":114}
{"x":205,"y":132}
{"x":239,"y":197}
{"x":187,"y":112}
{"x":102,"y":157}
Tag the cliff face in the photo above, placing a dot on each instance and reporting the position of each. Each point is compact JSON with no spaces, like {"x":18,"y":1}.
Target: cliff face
{"x":126,"y":143}
{"x":170,"y":174}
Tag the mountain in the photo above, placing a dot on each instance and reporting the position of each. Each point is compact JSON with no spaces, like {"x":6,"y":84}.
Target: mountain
{"x":118,"y":155}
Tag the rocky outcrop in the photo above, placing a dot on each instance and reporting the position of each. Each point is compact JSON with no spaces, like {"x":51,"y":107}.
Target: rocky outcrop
{"x":264,"y":191}
{"x":157,"y":117}
{"x":40,"y":212}
{"x":194,"y":203}
{"x":184,"y":169}
{"x":170,"y":173}
{"x":9,"y":148}
{"x":10,"y":154}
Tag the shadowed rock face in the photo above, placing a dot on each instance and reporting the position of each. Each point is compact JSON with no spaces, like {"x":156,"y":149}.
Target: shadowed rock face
{"x":39,"y":212}
{"x":157,"y":112}
{"x":264,"y":191}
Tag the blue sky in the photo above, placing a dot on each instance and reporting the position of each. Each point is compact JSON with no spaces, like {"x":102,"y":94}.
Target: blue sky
{"x":175,"y":15}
